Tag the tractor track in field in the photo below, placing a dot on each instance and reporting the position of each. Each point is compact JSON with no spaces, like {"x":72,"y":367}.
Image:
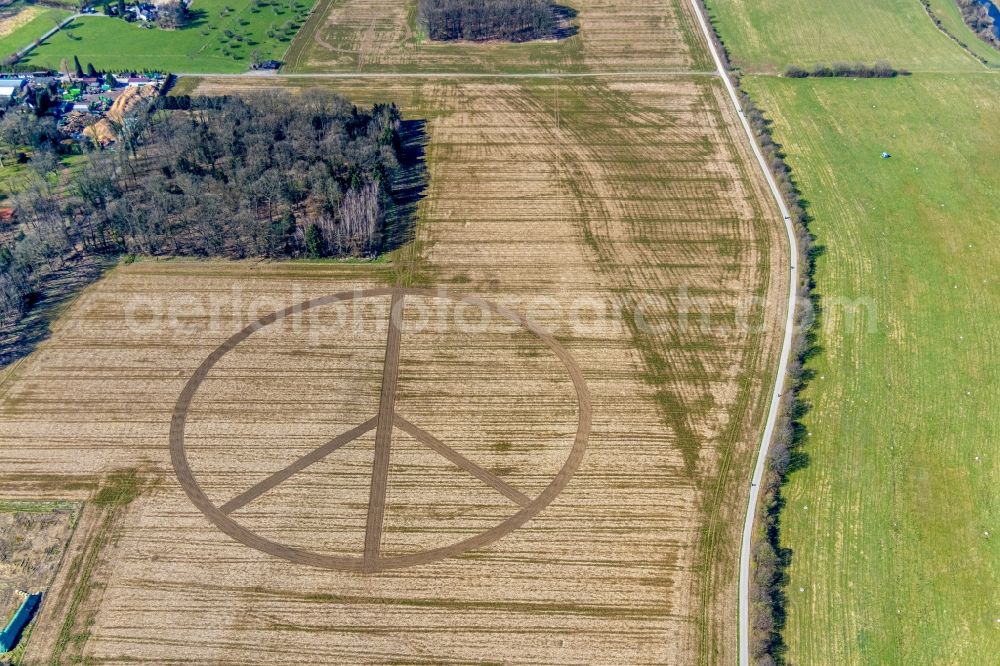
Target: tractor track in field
{"x":383,"y":432}
{"x":372,"y":560}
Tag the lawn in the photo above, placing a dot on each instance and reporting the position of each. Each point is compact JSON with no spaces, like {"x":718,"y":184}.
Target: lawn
{"x":893,"y":522}
{"x":221,"y":38}
{"x":768,"y":35}
{"x":42,"y":19}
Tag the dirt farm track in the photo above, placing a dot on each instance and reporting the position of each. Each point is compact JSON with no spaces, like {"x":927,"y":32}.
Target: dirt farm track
{"x":544,"y":457}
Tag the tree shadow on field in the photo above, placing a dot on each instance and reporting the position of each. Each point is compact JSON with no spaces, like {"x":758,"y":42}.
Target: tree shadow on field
{"x":409,"y":185}
{"x":21,"y":337}
{"x":196,"y":18}
{"x":565,"y":25}
{"x":68,"y":31}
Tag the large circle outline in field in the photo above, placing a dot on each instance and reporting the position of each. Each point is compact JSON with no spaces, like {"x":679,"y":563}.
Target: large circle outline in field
{"x":376,"y":562}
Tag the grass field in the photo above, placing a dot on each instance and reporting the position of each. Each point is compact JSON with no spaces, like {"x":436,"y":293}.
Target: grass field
{"x":769,"y":35}
{"x":896,"y":559}
{"x":951,"y":18}
{"x":892,"y":523}
{"x":381,"y":35}
{"x":217,"y":40}
{"x":541,"y":193}
{"x":21,"y":27}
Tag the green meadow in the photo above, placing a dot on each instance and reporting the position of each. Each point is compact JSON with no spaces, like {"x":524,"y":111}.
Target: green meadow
{"x":768,"y":35}
{"x":221,"y":38}
{"x":895,"y":559}
{"x":951,"y":19}
{"x":22,"y":36}
{"x":892,"y":522}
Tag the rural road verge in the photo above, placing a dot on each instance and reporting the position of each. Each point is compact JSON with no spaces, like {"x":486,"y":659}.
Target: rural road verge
{"x":786,"y":348}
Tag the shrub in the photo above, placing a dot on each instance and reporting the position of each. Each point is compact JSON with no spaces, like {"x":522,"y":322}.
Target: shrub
{"x":880,"y":70}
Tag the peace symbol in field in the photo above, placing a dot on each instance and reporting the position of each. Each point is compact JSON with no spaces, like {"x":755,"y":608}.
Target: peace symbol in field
{"x":383,"y":423}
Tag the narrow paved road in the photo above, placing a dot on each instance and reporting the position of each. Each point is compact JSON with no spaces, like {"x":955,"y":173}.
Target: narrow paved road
{"x":786,"y":349}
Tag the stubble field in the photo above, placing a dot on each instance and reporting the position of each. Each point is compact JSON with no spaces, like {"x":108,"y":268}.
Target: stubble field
{"x":612,"y":35}
{"x":623,"y":216}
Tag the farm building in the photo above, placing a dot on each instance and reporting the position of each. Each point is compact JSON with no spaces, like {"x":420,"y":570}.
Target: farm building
{"x":11,"y":87}
{"x":135,"y":81}
{"x":16,"y":83}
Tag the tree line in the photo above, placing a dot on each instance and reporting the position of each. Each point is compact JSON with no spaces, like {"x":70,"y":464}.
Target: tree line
{"x":880,"y":70}
{"x":482,"y":20}
{"x":262,"y":176}
{"x":770,"y":559}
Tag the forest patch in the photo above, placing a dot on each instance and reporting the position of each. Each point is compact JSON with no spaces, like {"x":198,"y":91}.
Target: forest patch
{"x":488,"y":20}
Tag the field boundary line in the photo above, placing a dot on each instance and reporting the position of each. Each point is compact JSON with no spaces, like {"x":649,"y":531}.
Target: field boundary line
{"x":11,"y":369}
{"x":743,"y":627}
{"x":252,"y":75}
